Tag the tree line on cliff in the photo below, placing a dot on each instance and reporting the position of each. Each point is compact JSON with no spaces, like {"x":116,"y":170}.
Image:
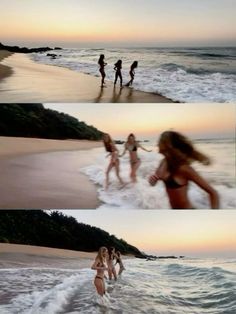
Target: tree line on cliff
{"x":33,"y":120}
{"x":57,"y":230}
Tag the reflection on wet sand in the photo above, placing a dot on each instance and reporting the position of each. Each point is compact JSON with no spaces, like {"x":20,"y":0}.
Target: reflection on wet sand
{"x":34,"y":82}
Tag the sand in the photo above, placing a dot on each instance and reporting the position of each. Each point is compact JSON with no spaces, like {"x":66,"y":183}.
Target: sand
{"x":39,"y":83}
{"x":16,"y":146}
{"x":4,"y":70}
{"x":45,"y":174}
{"x":17,"y":255}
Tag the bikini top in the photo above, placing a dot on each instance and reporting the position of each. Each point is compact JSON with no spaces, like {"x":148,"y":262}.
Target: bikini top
{"x":131,"y":148}
{"x":171,"y":183}
{"x":100,"y":264}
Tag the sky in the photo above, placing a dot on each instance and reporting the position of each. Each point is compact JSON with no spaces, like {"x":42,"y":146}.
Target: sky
{"x":92,"y":23}
{"x":207,"y":233}
{"x":149,"y":120}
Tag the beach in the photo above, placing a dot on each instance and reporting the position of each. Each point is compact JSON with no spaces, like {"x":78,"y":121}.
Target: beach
{"x":43,"y":280}
{"x":4,"y":70}
{"x":19,"y":255}
{"x":45,"y":174}
{"x":39,"y":83}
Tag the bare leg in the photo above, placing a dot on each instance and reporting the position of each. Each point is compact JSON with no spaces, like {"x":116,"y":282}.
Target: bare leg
{"x":110,"y":273}
{"x":121,"y":80}
{"x":117,"y":168}
{"x":100,"y":286}
{"x":114,"y":273}
{"x":110,"y":166}
{"x":134,"y":168}
{"x":116,"y":77}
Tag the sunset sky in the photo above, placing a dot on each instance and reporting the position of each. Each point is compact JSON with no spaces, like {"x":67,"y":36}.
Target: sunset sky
{"x":84,"y":23}
{"x":149,"y":120}
{"x":192,"y":233}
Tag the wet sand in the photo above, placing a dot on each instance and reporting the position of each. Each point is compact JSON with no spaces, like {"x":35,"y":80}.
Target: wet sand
{"x":45,"y":174}
{"x":17,"y":255}
{"x":39,"y":83}
{"x":4,"y":70}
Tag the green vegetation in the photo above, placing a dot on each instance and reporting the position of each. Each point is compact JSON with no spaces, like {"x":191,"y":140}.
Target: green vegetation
{"x":33,"y":120}
{"x":54,"y":229}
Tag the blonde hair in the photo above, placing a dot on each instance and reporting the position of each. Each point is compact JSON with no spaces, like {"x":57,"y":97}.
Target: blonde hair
{"x":100,"y":254}
{"x":179,"y":150}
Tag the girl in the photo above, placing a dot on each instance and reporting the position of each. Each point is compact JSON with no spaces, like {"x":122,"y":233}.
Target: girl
{"x":114,"y":161}
{"x":110,"y":263}
{"x":134,"y":65}
{"x":119,"y":261}
{"x":176,"y":173}
{"x":117,"y":68}
{"x":132,"y":146}
{"x":102,"y":65}
{"x":100,"y":266}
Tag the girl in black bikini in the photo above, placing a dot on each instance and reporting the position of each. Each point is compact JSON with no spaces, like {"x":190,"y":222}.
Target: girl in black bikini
{"x":134,"y":65}
{"x":175,"y":170}
{"x":114,"y":161}
{"x":117,"y":68}
{"x":132,"y":146}
{"x":102,"y":65}
{"x":100,"y":266}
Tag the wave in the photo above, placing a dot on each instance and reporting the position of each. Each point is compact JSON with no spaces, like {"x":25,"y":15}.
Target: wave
{"x":175,"y":74}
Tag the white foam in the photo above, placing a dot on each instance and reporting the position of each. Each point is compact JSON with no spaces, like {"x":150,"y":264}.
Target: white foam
{"x":157,"y":73}
{"x":142,"y":196}
{"x":48,"y":301}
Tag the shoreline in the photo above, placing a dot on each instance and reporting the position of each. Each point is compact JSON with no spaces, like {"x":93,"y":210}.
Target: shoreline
{"x":19,"y":146}
{"x":45,"y":174}
{"x":21,"y":255}
{"x":39,"y":83}
{"x":5,"y":71}
{"x":24,"y":255}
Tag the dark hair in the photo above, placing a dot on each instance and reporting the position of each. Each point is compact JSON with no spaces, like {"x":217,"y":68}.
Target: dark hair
{"x":118,"y":63}
{"x":131,"y":134}
{"x":134,"y":65}
{"x":110,"y":249}
{"x":107,"y":144}
{"x":101,"y":58}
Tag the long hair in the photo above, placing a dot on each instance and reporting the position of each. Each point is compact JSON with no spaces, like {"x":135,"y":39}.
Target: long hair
{"x":100,"y":254}
{"x":179,"y":150}
{"x":131,"y":135}
{"x":134,"y":65}
{"x":101,"y":59}
{"x":108,"y":144}
{"x":110,"y":249}
{"x":118,"y":64}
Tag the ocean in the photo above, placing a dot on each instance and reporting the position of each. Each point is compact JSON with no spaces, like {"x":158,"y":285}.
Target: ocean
{"x":221,"y":175}
{"x":189,"y":285}
{"x":181,"y":74}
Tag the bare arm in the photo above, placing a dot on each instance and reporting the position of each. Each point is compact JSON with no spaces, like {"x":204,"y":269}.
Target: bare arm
{"x":125,"y":149}
{"x":192,"y":175}
{"x":157,"y":175}
{"x":143,"y":148}
{"x":96,"y":267}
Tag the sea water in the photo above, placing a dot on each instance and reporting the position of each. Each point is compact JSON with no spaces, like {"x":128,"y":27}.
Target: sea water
{"x":182,"y":74}
{"x":179,"y":286}
{"x":220,"y":174}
